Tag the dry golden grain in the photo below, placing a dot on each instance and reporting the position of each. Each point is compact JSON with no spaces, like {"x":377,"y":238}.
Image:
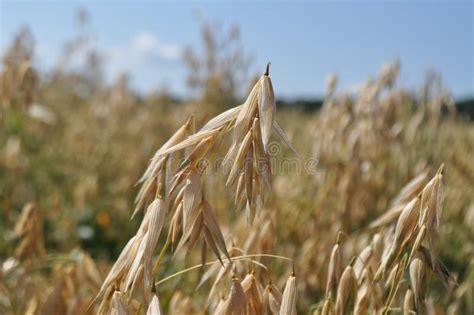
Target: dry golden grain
{"x":272,"y":298}
{"x":334,"y":271}
{"x":154,"y":308}
{"x":418,"y":281}
{"x":347,"y":291}
{"x":119,"y":304}
{"x":266,"y":108}
{"x":362,"y":301}
{"x":328,"y":307}
{"x":236,"y":302}
{"x":288,"y":301}
{"x":409,"y":303}
{"x":253,"y":294}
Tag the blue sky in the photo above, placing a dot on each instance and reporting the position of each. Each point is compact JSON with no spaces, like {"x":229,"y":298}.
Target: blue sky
{"x":305,"y":41}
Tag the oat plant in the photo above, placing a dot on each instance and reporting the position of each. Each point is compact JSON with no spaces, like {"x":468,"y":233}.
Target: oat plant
{"x":173,"y":198}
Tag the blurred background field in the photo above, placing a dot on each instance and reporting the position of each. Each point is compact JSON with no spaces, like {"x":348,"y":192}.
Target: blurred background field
{"x":74,"y":141}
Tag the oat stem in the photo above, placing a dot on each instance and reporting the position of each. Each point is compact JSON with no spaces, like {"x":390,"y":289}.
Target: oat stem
{"x":160,"y":256}
{"x":237,"y":258}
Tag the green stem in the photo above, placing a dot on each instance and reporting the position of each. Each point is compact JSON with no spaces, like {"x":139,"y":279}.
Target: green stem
{"x":160,"y":256}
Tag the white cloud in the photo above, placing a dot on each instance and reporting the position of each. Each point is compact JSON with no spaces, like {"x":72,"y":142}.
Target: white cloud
{"x":147,"y":45}
{"x":148,"y":59}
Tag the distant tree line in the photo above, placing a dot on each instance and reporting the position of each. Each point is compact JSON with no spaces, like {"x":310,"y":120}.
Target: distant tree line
{"x":464,"y":107}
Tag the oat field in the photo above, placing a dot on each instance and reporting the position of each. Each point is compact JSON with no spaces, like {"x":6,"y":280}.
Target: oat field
{"x":118,"y":203}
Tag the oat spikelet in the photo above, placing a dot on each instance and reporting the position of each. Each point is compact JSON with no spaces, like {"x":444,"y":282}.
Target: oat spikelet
{"x":221,"y":275}
{"x":362,"y":301}
{"x":157,"y":166}
{"x":120,"y":267}
{"x":151,"y":229}
{"x":418,"y":281}
{"x":363,"y":261}
{"x":418,"y":241}
{"x":30,"y":229}
{"x":328,"y":307}
{"x":272,"y":298}
{"x":388,"y":217}
{"x":432,"y":204}
{"x":395,"y":280}
{"x":253,"y":294}
{"x":222,"y":119}
{"x":408,"y":303}
{"x":412,"y":189}
{"x":119,"y":304}
{"x":334,"y":271}
{"x":347,"y":291}
{"x":221,"y":306}
{"x":288,"y":303}
{"x":154,"y":308}
{"x":404,"y":231}
{"x":216,"y":239}
{"x":266,"y":108}
{"x":236,"y":303}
